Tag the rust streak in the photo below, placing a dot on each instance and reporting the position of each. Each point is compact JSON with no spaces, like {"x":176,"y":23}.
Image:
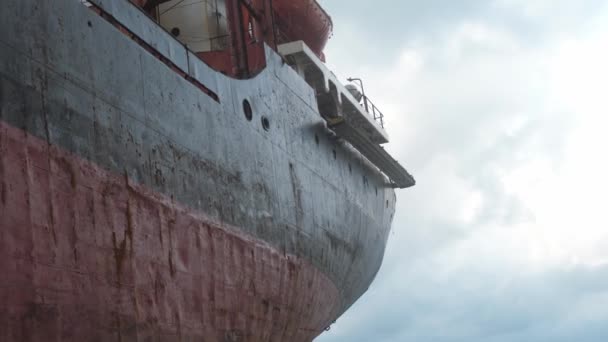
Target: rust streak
{"x":3,"y":185}
{"x":119,"y":254}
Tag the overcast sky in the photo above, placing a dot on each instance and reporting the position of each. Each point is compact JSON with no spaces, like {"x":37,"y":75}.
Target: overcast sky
{"x":498,"y":108}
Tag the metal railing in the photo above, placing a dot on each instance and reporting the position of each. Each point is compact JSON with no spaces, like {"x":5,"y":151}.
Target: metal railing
{"x":371,"y":109}
{"x":369,"y":106}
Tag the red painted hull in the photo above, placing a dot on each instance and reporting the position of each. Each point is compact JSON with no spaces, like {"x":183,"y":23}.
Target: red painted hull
{"x":87,"y":256}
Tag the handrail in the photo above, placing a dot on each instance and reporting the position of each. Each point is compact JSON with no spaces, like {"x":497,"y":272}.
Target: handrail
{"x":375,"y":112}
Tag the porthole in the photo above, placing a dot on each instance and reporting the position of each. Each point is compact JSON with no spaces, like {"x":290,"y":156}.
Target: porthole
{"x":265,"y":123}
{"x":247,"y":110}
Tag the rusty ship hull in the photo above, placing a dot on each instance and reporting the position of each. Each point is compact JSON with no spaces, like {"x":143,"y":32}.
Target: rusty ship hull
{"x":146,"y":197}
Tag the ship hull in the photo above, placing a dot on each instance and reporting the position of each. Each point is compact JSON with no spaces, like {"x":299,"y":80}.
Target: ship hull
{"x":138,"y":202}
{"x":87,"y":256}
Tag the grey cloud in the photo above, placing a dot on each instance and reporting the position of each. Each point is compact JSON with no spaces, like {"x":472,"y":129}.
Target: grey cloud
{"x":421,"y":294}
{"x":375,"y":27}
{"x":542,"y":307}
